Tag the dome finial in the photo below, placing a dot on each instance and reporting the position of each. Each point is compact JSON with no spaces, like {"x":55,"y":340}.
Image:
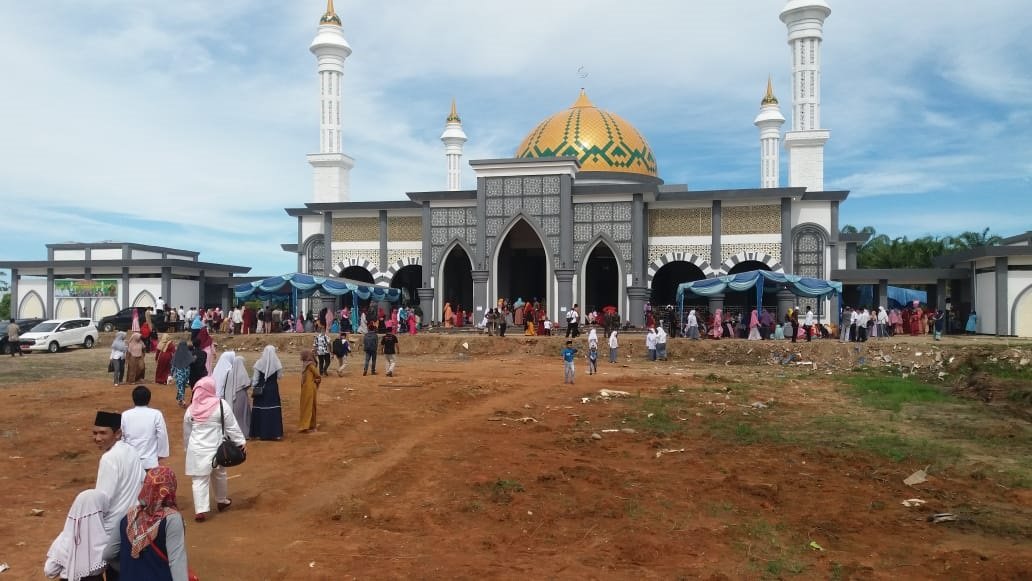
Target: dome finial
{"x":582,"y":100}
{"x":769,"y":98}
{"x":330,"y":17}
{"x":453,"y":117}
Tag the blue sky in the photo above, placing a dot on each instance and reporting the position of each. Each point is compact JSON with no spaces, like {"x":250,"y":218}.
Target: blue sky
{"x":186,"y":123}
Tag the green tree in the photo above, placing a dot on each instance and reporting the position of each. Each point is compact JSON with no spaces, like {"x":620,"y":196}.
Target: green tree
{"x":880,"y":251}
{"x":969,"y":240}
{"x":5,"y":301}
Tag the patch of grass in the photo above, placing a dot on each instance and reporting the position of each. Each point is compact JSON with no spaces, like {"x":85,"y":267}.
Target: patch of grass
{"x":656,"y":416}
{"x":502,"y":491}
{"x":890,"y":393}
{"x":898,"y":448}
{"x":769,"y":551}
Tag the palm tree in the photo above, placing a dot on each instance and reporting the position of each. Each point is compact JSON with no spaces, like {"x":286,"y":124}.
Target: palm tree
{"x":968,"y":240}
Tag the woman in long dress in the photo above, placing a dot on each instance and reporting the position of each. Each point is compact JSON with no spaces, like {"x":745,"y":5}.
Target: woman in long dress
{"x":717,"y":329}
{"x":236,"y":395}
{"x":447,"y":316}
{"x":754,"y":326}
{"x":78,"y":552}
{"x":205,"y":343}
{"x":166,"y":349}
{"x":310,"y":379}
{"x":136,"y":367}
{"x":267,"y":411}
{"x":181,"y":361}
{"x":222,"y":372}
{"x":118,"y":350}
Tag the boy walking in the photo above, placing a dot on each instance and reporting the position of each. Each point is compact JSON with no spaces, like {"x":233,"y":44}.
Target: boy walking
{"x":390,"y":350}
{"x":568,"y":354}
{"x":593,"y":360}
{"x":341,"y":349}
{"x":369,"y":342}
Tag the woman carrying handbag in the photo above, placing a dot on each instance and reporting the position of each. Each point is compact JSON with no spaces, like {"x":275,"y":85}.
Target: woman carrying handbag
{"x":208,"y":421}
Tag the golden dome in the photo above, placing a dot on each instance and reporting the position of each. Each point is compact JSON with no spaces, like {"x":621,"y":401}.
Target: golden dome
{"x":769,"y":98}
{"x":600,"y":140}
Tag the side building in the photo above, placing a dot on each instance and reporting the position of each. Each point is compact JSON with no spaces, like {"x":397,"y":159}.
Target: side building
{"x":101,"y":278}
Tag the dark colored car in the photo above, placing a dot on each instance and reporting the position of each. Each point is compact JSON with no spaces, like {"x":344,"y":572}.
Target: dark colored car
{"x":123,"y":320}
{"x":24,"y":325}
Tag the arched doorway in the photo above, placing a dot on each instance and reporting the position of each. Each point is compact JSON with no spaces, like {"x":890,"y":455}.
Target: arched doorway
{"x":1023,"y":314}
{"x":408,"y":279}
{"x":601,"y":275}
{"x":669,"y":277}
{"x":741,"y":303}
{"x":457,"y":283}
{"x":521,"y":266}
{"x":357,"y":273}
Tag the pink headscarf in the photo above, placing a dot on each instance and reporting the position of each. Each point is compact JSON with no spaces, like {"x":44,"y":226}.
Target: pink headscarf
{"x":754,"y":321}
{"x":204,"y":399}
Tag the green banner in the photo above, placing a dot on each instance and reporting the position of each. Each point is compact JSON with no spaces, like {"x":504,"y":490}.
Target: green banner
{"x":77,"y":288}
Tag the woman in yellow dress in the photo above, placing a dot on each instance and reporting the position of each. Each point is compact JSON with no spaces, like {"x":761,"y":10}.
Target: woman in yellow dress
{"x":310,"y":379}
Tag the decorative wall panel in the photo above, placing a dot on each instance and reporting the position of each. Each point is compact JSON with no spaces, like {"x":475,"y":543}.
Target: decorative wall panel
{"x":357,"y":229}
{"x":404,"y":228}
{"x":681,"y":222}
{"x":750,"y":220}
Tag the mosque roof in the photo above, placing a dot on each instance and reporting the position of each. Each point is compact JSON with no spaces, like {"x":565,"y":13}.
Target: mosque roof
{"x":330,"y":16}
{"x":601,"y":141}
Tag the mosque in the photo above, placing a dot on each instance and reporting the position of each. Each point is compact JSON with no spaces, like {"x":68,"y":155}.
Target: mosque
{"x":578,"y":212}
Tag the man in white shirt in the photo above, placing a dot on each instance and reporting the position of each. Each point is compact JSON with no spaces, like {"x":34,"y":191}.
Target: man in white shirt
{"x":808,"y":323}
{"x":120,"y":475}
{"x":143,"y":428}
{"x":159,"y":305}
{"x":661,"y":339}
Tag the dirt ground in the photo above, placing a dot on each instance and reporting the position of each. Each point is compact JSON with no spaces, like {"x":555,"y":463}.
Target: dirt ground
{"x":477,"y":462}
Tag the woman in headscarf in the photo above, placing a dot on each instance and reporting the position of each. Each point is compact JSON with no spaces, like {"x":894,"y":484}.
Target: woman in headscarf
{"x":181,"y":361}
{"x":236,"y":395}
{"x":163,"y":354}
{"x":896,"y":321}
{"x":529,"y":318}
{"x":198,"y":365}
{"x":717,"y":329}
{"x":118,"y":351}
{"x":204,"y":343}
{"x":203,"y":425}
{"x":310,"y":379}
{"x":267,"y":412}
{"x":614,"y":344}
{"x":915,"y":319}
{"x":77,"y":554}
{"x":150,"y":542}
{"x":135,"y":327}
{"x":413,"y":321}
{"x":754,"y":326}
{"x":593,"y":338}
{"x":691,"y":325}
{"x":223,"y":369}
{"x":972,"y":323}
{"x":363,"y":324}
{"x":145,"y":335}
{"x":135,"y":365}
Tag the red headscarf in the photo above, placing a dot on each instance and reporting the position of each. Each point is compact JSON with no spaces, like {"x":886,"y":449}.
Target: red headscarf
{"x":156,"y":501}
{"x":203,"y":339}
{"x":204,"y":399}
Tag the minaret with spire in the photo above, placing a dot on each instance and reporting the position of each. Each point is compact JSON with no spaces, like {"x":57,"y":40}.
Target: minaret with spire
{"x":769,"y":120}
{"x":805,"y":142}
{"x":453,"y":138}
{"x":331,"y":167}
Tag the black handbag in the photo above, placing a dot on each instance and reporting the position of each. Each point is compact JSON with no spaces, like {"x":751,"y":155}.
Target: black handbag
{"x":228,"y":453}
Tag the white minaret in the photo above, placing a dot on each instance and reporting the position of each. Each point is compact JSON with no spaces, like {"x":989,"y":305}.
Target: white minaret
{"x":453,"y":138}
{"x":805,"y":142}
{"x":769,"y":121}
{"x":331,"y":166}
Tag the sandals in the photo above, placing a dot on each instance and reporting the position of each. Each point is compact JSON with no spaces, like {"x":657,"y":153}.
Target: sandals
{"x":200,"y":517}
{"x":224,"y":506}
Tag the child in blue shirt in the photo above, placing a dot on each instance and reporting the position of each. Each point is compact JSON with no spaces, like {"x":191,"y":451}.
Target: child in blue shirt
{"x":568,"y":355}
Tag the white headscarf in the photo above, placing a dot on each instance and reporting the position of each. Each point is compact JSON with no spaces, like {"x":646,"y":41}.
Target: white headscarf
{"x":269,"y":362}
{"x":693,"y":320}
{"x":613,"y":343}
{"x":78,"y":551}
{"x":593,"y":337}
{"x":222,"y":372}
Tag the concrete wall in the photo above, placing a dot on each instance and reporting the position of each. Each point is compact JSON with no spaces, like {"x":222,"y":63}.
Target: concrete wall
{"x":985,"y":302}
{"x":184,"y":292}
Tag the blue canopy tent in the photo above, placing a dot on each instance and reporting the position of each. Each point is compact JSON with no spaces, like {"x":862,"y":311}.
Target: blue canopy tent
{"x":761,"y":280}
{"x":298,"y":286}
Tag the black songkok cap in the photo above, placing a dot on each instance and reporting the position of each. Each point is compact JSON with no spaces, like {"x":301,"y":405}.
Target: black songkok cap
{"x":111,"y":420}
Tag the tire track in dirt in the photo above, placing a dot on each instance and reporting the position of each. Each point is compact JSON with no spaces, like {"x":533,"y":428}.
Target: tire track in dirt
{"x":355,"y":480}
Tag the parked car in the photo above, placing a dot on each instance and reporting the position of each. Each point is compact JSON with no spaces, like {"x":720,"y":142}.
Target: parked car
{"x":57,"y":334}
{"x":25,"y":325}
{"x":123,"y":320}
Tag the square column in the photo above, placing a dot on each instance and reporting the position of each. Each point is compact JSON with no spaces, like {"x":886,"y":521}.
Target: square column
{"x":480,"y":278}
{"x":637,"y":295}
{"x":426,"y":303}
{"x":1002,"y":326}
{"x":565,"y":299}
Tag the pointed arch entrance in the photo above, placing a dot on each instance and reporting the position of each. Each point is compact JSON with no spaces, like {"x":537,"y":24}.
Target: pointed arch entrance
{"x":601,"y":275}
{"x":357,"y":273}
{"x":456,"y":280}
{"x":521,"y":266}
